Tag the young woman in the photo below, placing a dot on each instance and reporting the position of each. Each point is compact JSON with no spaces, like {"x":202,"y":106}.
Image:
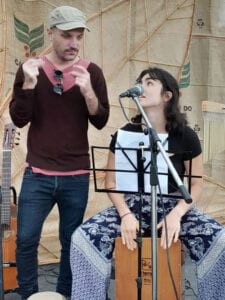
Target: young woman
{"x":93,"y":242}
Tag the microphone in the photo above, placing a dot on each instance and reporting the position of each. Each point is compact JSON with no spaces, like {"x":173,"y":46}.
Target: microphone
{"x":136,"y":90}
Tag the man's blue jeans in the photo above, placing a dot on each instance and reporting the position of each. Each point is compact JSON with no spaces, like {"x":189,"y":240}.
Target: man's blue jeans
{"x":38,"y":195}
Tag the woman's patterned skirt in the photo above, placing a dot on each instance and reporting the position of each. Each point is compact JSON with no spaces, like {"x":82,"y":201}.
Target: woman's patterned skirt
{"x":93,"y":244}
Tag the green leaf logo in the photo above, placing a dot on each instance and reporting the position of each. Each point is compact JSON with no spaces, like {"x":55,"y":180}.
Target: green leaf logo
{"x":185,"y":78}
{"x":31,"y":39}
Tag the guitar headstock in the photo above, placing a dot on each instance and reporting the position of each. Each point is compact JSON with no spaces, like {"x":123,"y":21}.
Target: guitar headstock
{"x":9,"y":136}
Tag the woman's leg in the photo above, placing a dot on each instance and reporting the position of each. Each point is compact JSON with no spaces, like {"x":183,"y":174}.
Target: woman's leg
{"x":92,"y":247}
{"x":91,"y":254}
{"x":205,"y":240}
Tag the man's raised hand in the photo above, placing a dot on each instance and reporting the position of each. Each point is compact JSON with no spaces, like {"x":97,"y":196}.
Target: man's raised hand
{"x":31,"y":72}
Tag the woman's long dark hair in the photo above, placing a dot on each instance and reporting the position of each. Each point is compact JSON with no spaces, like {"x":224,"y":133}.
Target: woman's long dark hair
{"x":175,"y":120}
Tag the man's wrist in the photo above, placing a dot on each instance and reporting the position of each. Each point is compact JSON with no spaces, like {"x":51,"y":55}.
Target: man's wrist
{"x":90,"y":96}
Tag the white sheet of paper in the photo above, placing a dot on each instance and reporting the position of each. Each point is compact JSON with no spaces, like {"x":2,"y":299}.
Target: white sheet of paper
{"x":128,"y":182}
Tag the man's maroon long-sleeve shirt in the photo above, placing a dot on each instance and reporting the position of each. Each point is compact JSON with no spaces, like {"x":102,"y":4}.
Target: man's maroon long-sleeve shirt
{"x":57,"y":137}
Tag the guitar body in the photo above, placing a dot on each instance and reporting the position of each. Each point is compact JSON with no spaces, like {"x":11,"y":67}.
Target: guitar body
{"x":9,"y":253}
{"x":8,"y":213}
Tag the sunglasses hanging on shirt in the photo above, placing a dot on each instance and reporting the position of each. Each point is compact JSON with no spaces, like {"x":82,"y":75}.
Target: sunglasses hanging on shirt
{"x":58,"y":87}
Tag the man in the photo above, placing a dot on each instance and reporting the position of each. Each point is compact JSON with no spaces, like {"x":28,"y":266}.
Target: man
{"x":57,"y":94}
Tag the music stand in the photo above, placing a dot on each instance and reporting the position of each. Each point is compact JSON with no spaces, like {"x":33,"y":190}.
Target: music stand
{"x":137,"y":168}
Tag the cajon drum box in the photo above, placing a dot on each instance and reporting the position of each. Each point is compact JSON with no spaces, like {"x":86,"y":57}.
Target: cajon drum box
{"x":126,"y":271}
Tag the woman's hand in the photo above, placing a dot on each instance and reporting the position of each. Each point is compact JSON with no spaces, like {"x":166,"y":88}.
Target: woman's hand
{"x":129,"y":227}
{"x":173,"y":228}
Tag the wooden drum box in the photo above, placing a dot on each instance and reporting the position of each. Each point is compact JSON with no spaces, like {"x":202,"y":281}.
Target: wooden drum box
{"x":126,"y":271}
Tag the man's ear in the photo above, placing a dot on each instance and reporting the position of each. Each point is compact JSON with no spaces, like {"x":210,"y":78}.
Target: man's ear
{"x":49,"y":32}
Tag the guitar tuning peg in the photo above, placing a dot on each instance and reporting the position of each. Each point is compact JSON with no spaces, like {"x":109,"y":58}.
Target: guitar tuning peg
{"x":17,"y":144}
{"x":18,"y":138}
{"x":18,"y":132}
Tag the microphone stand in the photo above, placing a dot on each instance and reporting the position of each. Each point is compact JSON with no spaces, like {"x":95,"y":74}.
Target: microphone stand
{"x":156,"y":145}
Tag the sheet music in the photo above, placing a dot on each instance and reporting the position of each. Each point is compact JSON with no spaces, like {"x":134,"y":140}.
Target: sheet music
{"x":129,"y":181}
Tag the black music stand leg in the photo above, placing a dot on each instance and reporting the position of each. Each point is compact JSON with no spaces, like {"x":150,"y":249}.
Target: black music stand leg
{"x":140,"y":168}
{"x":154,"y":182}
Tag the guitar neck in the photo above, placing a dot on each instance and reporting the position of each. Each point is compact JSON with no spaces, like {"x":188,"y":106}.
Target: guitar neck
{"x":6,"y":184}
